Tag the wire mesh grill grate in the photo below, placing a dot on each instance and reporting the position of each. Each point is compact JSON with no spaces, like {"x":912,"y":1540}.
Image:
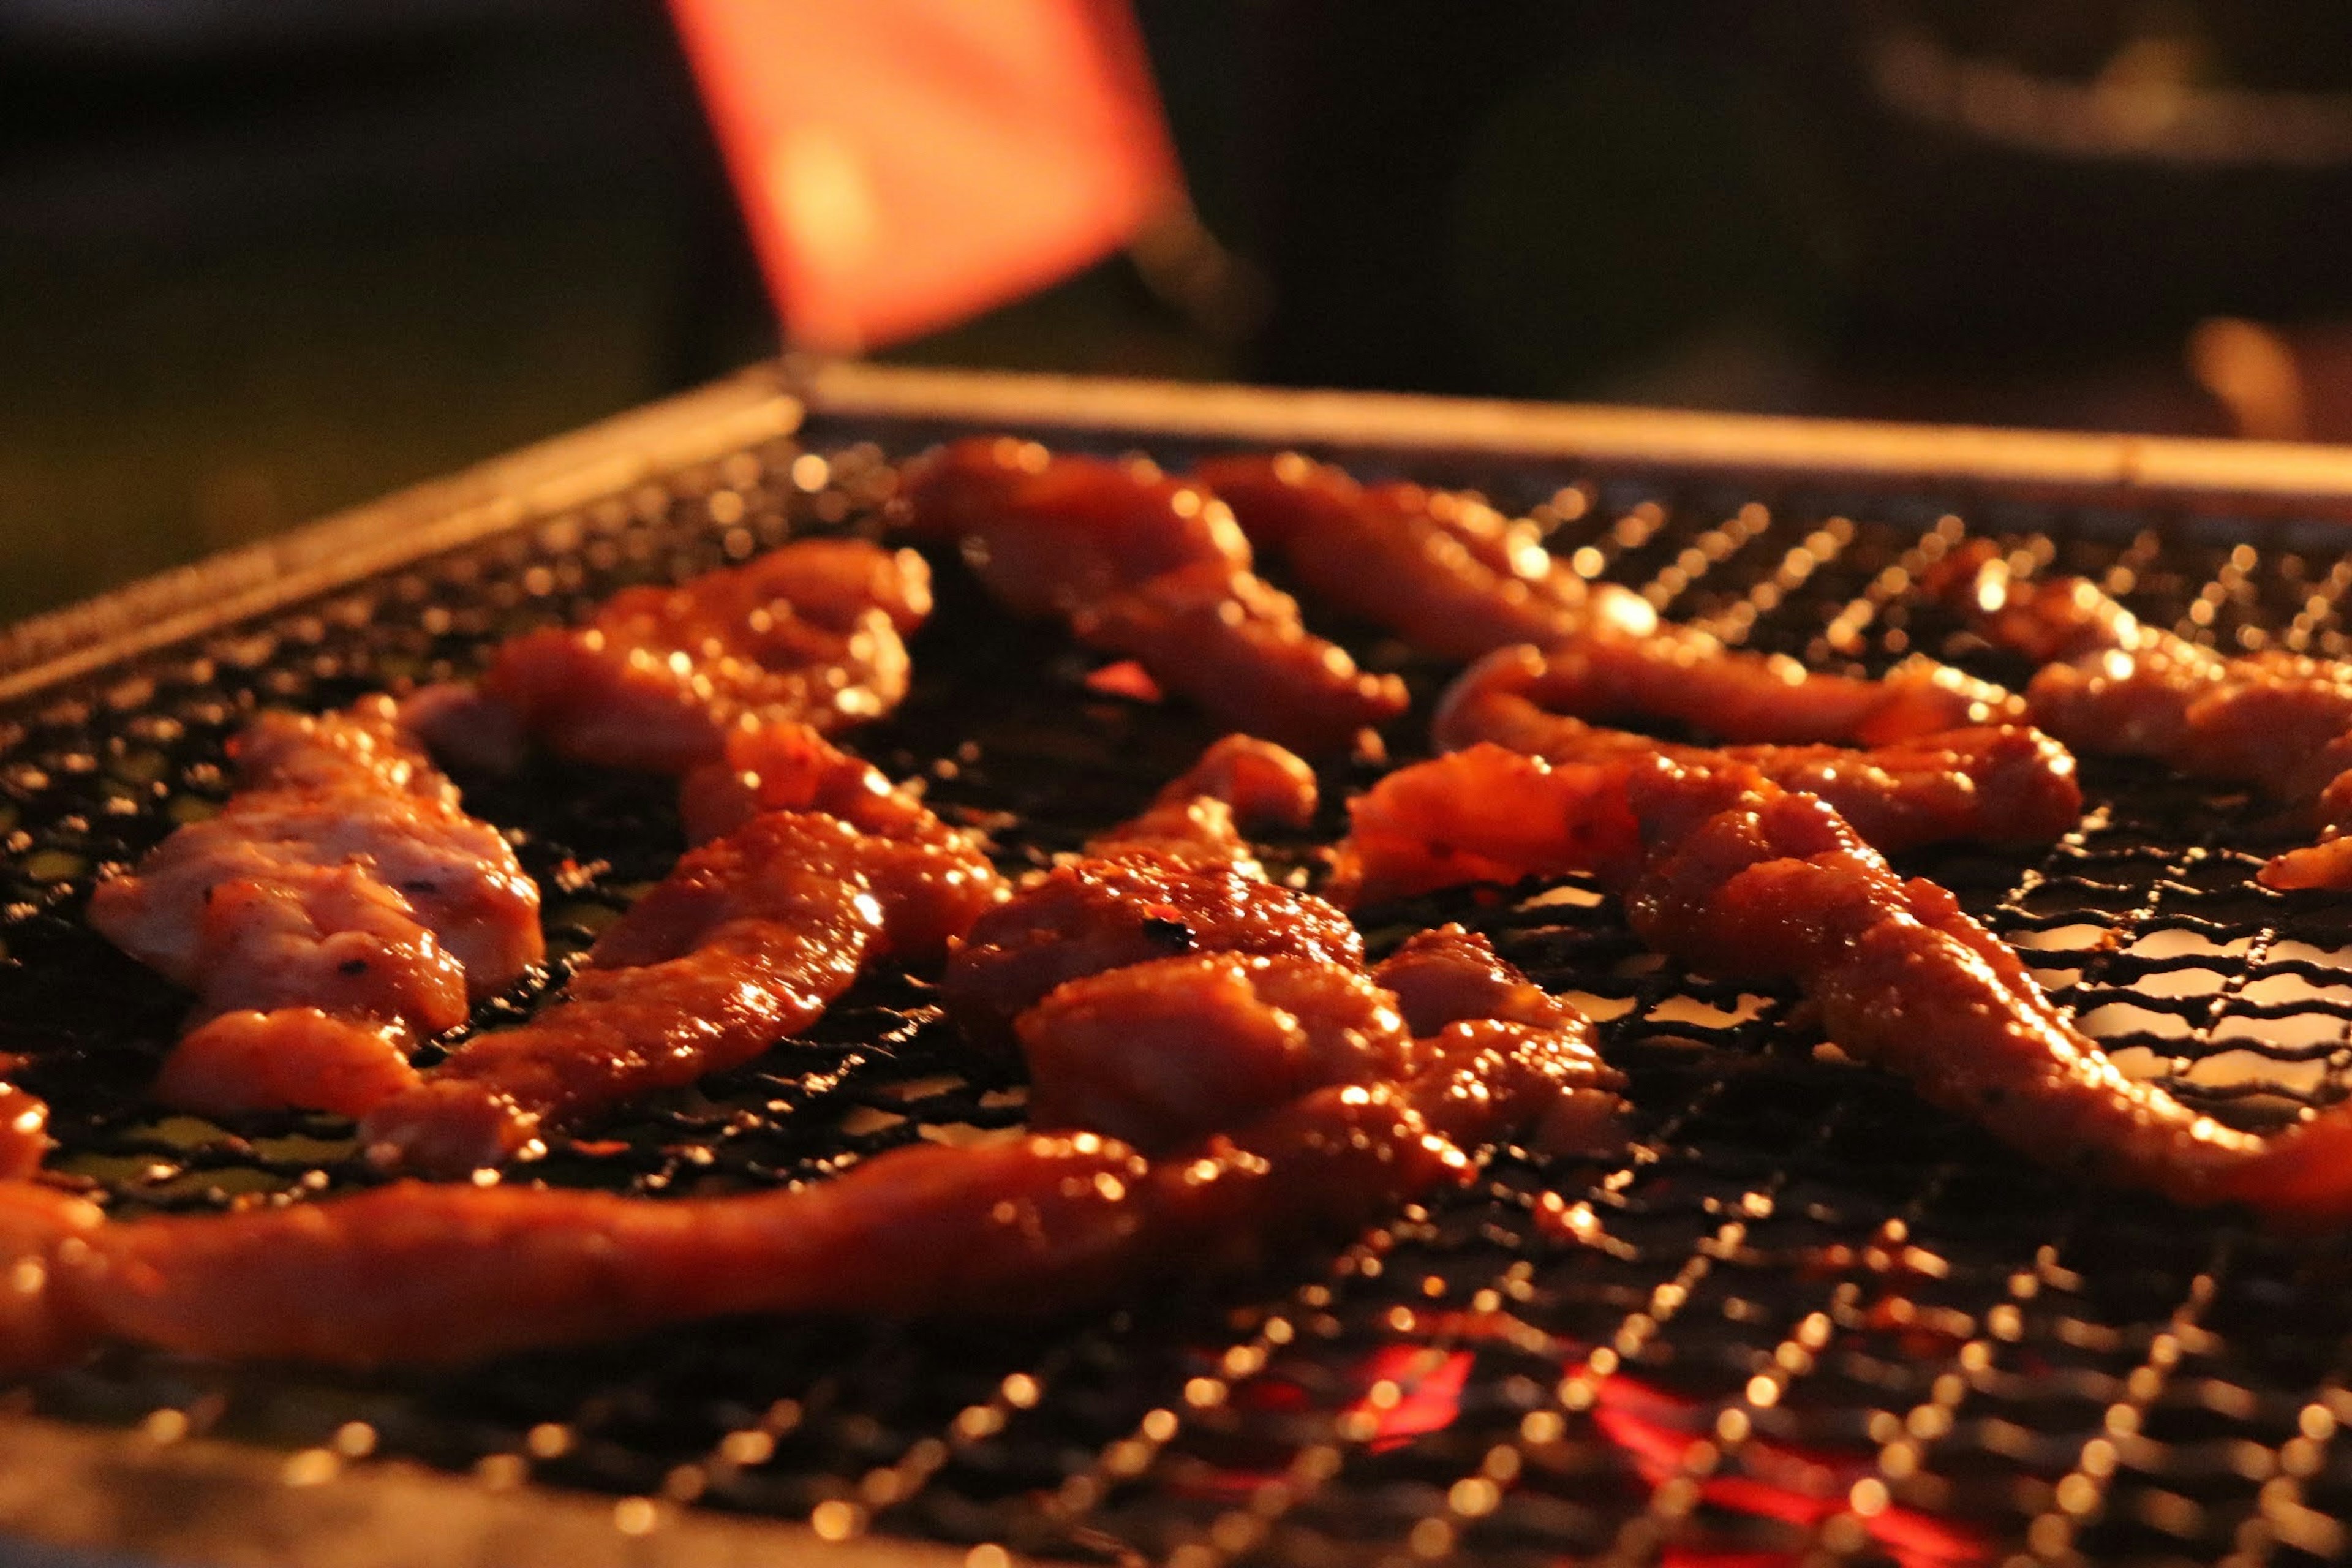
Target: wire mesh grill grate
{"x":1807,"y":1320}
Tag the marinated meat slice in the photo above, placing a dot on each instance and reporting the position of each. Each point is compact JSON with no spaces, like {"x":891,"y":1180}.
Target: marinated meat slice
{"x":1448,"y":974}
{"x":1485,"y":815}
{"x":415,"y":1273}
{"x":2280,"y":722}
{"x":1052,"y":535}
{"x":1235,"y":645}
{"x":933,"y":880}
{"x":1446,"y":572}
{"x":1160,"y":1054}
{"x":746,"y":942}
{"x":1163,"y":1053}
{"x":367,"y":746}
{"x":1198,"y":815}
{"x":1107,"y":913}
{"x":810,"y":633}
{"x":407,"y":868}
{"x":1262,"y":783}
{"x":1774,"y":884}
{"x":1178,"y":878}
{"x":250,"y":926}
{"x":24,"y":1126}
{"x":1737,"y":877}
{"x":1996,"y":783}
{"x":298,"y":1056}
{"x":1146,"y":566}
{"x":341,"y":822}
{"x":2052,"y":620}
{"x":1685,"y":676}
{"x":1044,"y":1225}
{"x":790,"y":767}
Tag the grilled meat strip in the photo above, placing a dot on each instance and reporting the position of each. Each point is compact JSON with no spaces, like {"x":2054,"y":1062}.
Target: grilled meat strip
{"x":810,"y":633}
{"x":1146,"y":566}
{"x":933,"y":881}
{"x":1446,"y":572}
{"x":1735,"y":875}
{"x":747,"y":940}
{"x":2003,"y":784}
{"x":1197,"y":817}
{"x":2109,"y":684}
{"x":1052,"y":1222}
{"x":1178,"y":878}
{"x":1687,"y":676}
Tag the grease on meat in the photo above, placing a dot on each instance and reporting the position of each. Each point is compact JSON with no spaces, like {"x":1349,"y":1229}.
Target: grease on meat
{"x":341,"y":882}
{"x":933,"y":880}
{"x":1446,"y":572}
{"x":2278,"y":722}
{"x":746,"y":942}
{"x":1735,"y":876}
{"x":1995,"y":783}
{"x":1689,"y":677}
{"x":1178,"y":878}
{"x":1150,"y":567}
{"x":812,"y":632}
{"x":1199,"y":815}
{"x":1047,"y":1224}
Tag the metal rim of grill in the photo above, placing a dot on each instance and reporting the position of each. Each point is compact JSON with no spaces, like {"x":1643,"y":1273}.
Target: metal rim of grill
{"x":1807,"y":1321}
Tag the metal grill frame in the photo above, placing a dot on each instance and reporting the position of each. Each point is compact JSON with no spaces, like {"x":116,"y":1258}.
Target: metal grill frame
{"x":203,"y":1500}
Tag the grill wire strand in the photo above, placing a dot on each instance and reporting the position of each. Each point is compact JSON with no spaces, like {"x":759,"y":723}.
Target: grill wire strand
{"x":1804,"y":1320}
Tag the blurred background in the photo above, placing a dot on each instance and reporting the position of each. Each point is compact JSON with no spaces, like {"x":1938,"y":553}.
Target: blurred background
{"x":261,"y":258}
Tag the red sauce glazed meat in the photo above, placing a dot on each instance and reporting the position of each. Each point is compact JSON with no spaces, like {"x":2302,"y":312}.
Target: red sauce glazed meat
{"x":1446,"y":572}
{"x":2278,"y":722}
{"x":1178,"y":878}
{"x":1737,"y":877}
{"x":746,"y":942}
{"x":1273,"y":1102}
{"x":1153,"y":568}
{"x":1689,"y":677}
{"x":933,"y":880}
{"x":811,"y":632}
{"x":1994,"y":783}
{"x":1198,"y":815}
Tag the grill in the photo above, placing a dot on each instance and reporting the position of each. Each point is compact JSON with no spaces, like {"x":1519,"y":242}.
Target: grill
{"x":1805,"y":1320}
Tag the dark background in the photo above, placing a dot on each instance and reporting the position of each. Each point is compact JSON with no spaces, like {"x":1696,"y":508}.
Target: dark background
{"x":259,"y":259}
